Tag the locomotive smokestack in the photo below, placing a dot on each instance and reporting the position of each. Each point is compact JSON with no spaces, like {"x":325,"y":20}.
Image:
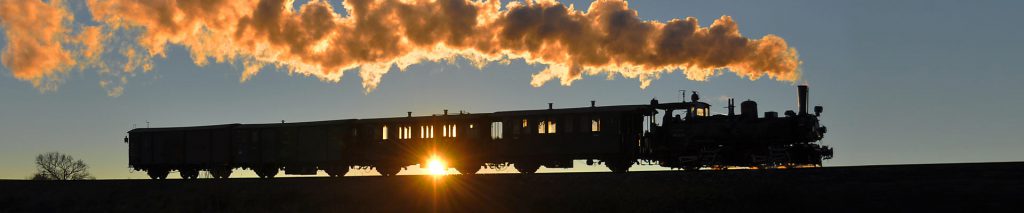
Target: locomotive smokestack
{"x":802,"y":99}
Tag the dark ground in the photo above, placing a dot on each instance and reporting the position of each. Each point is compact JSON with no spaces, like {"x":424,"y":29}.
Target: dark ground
{"x":917,"y":188}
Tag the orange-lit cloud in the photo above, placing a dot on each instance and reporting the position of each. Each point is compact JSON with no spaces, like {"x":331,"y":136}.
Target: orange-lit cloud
{"x":34,"y":51}
{"x":313,"y":40}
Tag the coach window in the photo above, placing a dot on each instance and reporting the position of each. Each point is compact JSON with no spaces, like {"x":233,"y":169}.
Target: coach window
{"x":449,"y":131}
{"x":540,"y":127}
{"x":426,"y":131}
{"x":384,"y":132}
{"x":405,"y":132}
{"x":526,"y":125}
{"x":496,"y":130}
{"x":430,"y":131}
{"x":595,"y":125}
{"x":551,"y":126}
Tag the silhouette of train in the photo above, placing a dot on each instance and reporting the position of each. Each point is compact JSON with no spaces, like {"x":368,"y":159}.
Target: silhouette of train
{"x":687,"y":137}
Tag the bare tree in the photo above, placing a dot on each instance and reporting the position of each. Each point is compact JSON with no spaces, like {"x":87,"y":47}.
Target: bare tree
{"x":58,"y":166}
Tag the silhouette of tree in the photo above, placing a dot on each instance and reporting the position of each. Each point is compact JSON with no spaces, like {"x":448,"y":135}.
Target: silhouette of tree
{"x":59,"y":166}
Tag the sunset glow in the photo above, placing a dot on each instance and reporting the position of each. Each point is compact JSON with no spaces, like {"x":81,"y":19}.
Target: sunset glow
{"x":436,"y":166}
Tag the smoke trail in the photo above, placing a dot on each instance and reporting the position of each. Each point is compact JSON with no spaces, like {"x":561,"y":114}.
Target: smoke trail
{"x":34,"y":33}
{"x":313,"y":40}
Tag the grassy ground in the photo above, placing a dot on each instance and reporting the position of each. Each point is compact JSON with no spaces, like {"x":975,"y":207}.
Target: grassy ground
{"x":918,"y":188}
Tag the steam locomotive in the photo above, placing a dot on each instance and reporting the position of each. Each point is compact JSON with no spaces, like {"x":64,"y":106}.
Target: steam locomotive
{"x":687,"y":137}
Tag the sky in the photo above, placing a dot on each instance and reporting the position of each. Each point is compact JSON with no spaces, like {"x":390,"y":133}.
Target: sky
{"x":903,"y":82}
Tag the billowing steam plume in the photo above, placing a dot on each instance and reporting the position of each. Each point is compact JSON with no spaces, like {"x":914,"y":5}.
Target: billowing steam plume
{"x":374,"y":35}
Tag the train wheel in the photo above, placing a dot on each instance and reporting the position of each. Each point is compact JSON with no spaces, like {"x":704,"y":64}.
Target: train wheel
{"x":266,"y":172}
{"x":388,"y":170}
{"x":468,"y":169}
{"x":259,"y":173}
{"x":526,"y":168}
{"x":271,"y":172}
{"x":188,"y":173}
{"x":220,"y":173}
{"x":337,"y":171}
{"x":619,"y":166}
{"x":157,"y":174}
{"x":226,"y":173}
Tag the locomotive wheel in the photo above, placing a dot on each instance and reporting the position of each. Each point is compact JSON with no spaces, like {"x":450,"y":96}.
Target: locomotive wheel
{"x":388,"y":170}
{"x":337,"y":171}
{"x":468,"y":169}
{"x":526,"y":168}
{"x":157,"y":174}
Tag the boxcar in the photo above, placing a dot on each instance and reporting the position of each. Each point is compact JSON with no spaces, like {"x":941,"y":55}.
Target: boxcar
{"x":186,"y":149}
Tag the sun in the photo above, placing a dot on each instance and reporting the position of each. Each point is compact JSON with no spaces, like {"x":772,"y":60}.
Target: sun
{"x":436,"y":166}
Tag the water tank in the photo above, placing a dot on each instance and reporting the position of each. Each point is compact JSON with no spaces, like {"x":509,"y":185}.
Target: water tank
{"x":748,"y":109}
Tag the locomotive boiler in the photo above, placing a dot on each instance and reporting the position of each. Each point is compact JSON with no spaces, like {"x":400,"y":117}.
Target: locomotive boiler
{"x":680,"y":135}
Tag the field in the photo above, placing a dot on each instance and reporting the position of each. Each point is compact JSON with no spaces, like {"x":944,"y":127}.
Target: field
{"x":932,"y":187}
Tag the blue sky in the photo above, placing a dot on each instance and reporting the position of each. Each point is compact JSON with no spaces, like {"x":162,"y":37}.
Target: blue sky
{"x":901,"y":82}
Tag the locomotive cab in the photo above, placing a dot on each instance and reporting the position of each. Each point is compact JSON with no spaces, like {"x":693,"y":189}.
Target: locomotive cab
{"x":681,"y":111}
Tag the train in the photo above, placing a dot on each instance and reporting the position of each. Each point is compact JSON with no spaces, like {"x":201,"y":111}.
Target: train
{"x":682,"y":135}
